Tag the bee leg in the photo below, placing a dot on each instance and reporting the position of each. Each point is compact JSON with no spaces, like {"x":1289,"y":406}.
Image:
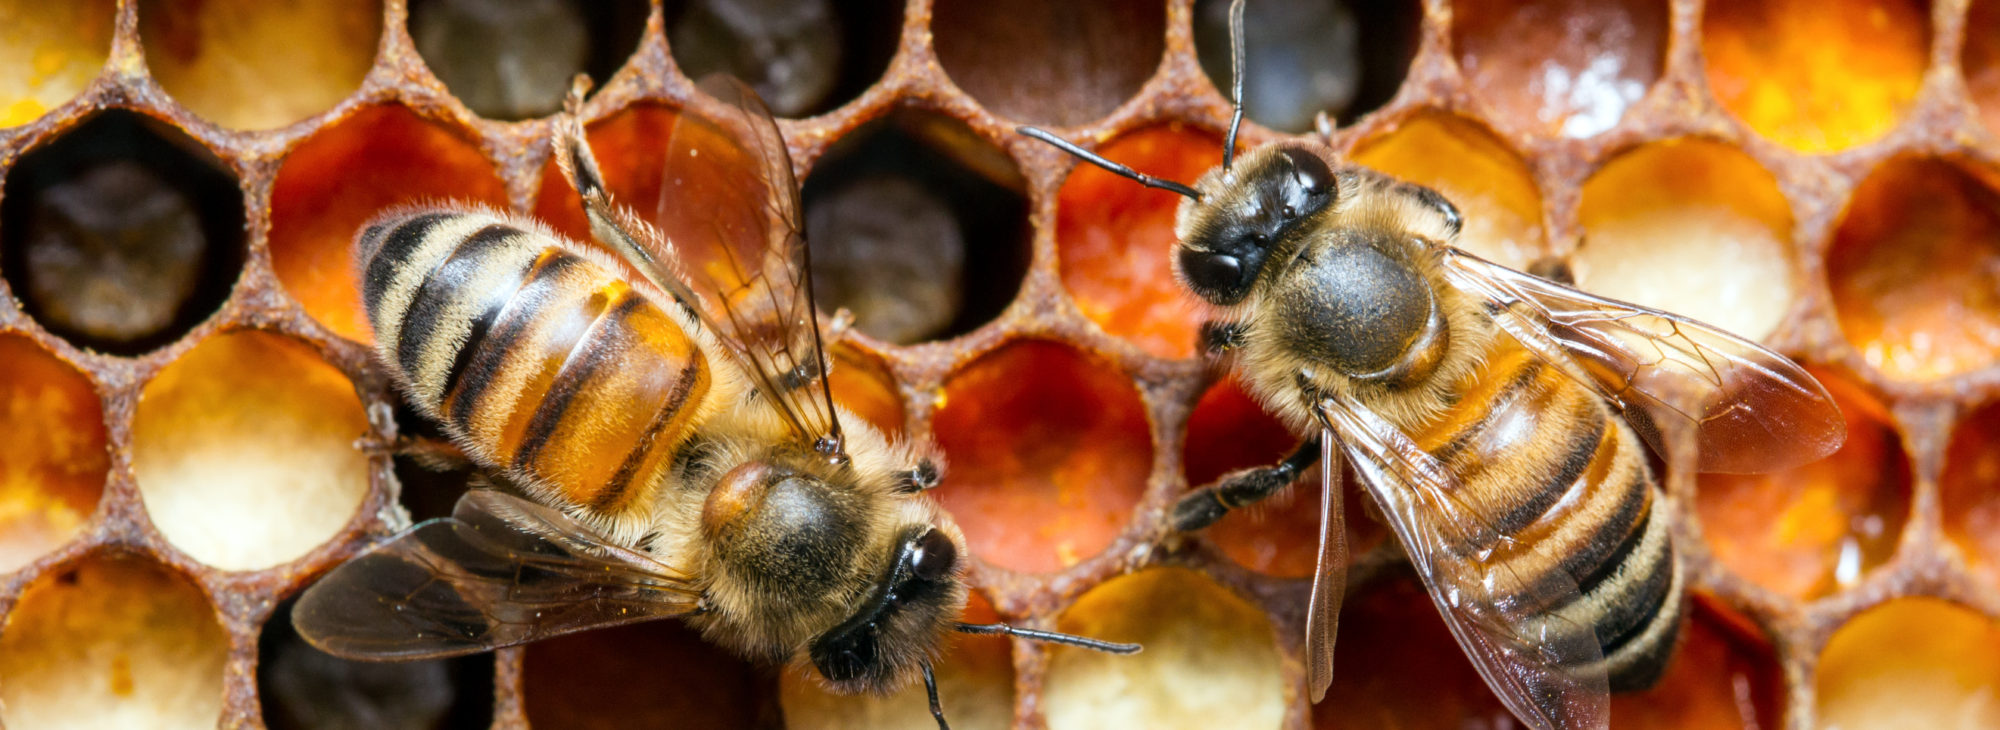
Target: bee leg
{"x":1217,"y":337}
{"x":1204,"y":506}
{"x":431,"y":453}
{"x":1554,"y":268}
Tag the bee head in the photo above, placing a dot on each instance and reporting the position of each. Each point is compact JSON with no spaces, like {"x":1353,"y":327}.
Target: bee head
{"x":1243,"y":214}
{"x":895,"y":631}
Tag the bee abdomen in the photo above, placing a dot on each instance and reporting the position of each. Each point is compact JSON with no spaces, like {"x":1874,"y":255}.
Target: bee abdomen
{"x":542,"y":362}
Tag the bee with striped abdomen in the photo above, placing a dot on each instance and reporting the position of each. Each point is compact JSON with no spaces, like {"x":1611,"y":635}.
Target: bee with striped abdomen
{"x":1495,"y":417}
{"x":662,"y":418}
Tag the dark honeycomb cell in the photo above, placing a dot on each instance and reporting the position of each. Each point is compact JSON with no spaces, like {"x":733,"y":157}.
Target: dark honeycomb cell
{"x":513,"y":59}
{"x":1912,"y":662}
{"x":1723,"y":675}
{"x":122,"y":233}
{"x":1491,"y":186}
{"x":658,"y":674}
{"x":1049,"y":61}
{"x":53,"y":455}
{"x":1303,"y":57}
{"x":1561,"y":67}
{"x":1813,"y":75}
{"x":803,"y":57}
{"x":975,"y":677}
{"x":256,"y":65}
{"x":301,"y":687}
{"x":1981,"y":61}
{"x":1970,"y":488}
{"x":1396,"y":665}
{"x":48,"y":53}
{"x":918,"y":226}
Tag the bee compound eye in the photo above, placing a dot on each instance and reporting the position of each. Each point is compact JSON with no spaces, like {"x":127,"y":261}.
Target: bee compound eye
{"x":934,"y":557}
{"x":1211,"y":270}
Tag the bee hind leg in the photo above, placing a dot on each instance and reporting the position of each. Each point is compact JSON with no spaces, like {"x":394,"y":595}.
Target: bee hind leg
{"x":1204,"y":506}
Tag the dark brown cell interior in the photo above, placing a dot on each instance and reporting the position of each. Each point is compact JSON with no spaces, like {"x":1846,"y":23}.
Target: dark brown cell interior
{"x":657,"y":674}
{"x":1049,"y":61}
{"x":804,"y":57}
{"x":121,"y":233}
{"x":302,"y":687}
{"x":1813,"y":529}
{"x":1562,"y":67}
{"x":1010,"y":424}
{"x":1970,"y":488}
{"x":343,"y":176}
{"x":53,"y":455}
{"x":1722,"y":675}
{"x":1915,"y":269}
{"x":514,"y":60}
{"x":254,"y":65}
{"x":918,"y":226}
{"x":1981,"y":61}
{"x":1817,"y":75}
{"x":1302,"y":57}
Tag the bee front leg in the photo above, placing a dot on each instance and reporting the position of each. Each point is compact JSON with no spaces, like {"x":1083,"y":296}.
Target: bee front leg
{"x":1218,"y":337}
{"x":1204,"y":506}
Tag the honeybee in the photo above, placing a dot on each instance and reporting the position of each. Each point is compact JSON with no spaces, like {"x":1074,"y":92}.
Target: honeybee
{"x":1495,"y":417}
{"x":662,"y":415}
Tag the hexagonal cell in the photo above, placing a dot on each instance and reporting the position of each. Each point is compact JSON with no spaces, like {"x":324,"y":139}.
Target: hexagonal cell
{"x":863,"y":385}
{"x":252,"y":65}
{"x":1723,"y":675}
{"x":244,"y":451}
{"x":1817,"y":76}
{"x":1488,"y":183}
{"x":301,"y":687}
{"x":1970,"y":488}
{"x":1279,"y":536}
{"x":658,"y":674}
{"x":344,"y":175}
{"x":122,"y":233}
{"x":975,"y":679}
{"x":1562,"y":67}
{"x":918,"y":226}
{"x":514,"y":60}
{"x":1396,"y":665}
{"x":1819,"y":527}
{"x":1048,"y":451}
{"x":112,"y":642}
{"x":1981,"y":60}
{"x":1050,"y":61}
{"x":630,"y":148}
{"x":48,"y":53}
{"x":1692,"y":227}
{"x":1210,"y":660}
{"x":53,"y":455}
{"x":1115,"y":238}
{"x":1911,"y":662}
{"x":1303,"y":57}
{"x":1912,"y":269}
{"x":803,"y":57}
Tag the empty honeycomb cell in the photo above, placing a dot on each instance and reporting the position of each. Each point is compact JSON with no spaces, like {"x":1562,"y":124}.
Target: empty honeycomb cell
{"x":918,"y":226}
{"x":657,"y":674}
{"x":111,"y":642}
{"x":1911,"y":662}
{"x":52,"y":451}
{"x":862,"y":384}
{"x":1981,"y":62}
{"x":48,"y":53}
{"x":1722,"y":675}
{"x":344,"y":175}
{"x":1050,"y":61}
{"x":1115,"y":238}
{"x":121,"y":233}
{"x":1488,"y":183}
{"x":1396,"y":665}
{"x":302,"y":687}
{"x":1011,"y":425}
{"x":254,"y":65}
{"x":1303,"y":57}
{"x":1817,"y":76}
{"x":1563,"y":67}
{"x":1970,"y":488}
{"x":1693,"y":227}
{"x":1915,"y":269}
{"x":244,"y":450}
{"x":1209,"y":661}
{"x":631,"y":150}
{"x":803,"y":57}
{"x":1815,"y":528}
{"x":975,"y":678}
{"x":1279,"y":536}
{"x":514,"y":60}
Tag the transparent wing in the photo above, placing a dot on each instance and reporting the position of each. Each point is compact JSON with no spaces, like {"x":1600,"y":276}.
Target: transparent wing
{"x":500,"y":571}
{"x":1329,"y":574}
{"x":1546,"y":667}
{"x":1749,"y":409}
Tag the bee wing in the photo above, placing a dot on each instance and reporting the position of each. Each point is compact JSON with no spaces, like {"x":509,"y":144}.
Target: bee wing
{"x":1749,"y":409}
{"x":1545,"y":668}
{"x":500,"y":571}
{"x":1329,"y":574}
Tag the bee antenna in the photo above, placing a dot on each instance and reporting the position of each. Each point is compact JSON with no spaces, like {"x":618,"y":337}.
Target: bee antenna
{"x":1109,"y":647}
{"x":1113,"y":167}
{"x":1235,"y":80}
{"x":930,"y":687}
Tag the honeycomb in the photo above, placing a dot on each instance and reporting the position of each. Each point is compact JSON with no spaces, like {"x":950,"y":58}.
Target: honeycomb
{"x":191,"y":430}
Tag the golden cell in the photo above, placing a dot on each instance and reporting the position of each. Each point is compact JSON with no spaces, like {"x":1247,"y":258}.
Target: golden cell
{"x":254,"y":65}
{"x":1050,"y":61}
{"x":48,"y":53}
{"x":658,"y":674}
{"x":1911,"y":662}
{"x":1562,"y":67}
{"x":53,"y":456}
{"x":1813,"y":75}
{"x":630,"y":147}
{"x":244,"y":450}
{"x":975,"y":678}
{"x":1488,"y":183}
{"x":862,"y":385}
{"x":1981,"y":62}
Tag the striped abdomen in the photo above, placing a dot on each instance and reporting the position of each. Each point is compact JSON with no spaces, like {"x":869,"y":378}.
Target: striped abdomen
{"x":1545,"y":460}
{"x":545,"y":364}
